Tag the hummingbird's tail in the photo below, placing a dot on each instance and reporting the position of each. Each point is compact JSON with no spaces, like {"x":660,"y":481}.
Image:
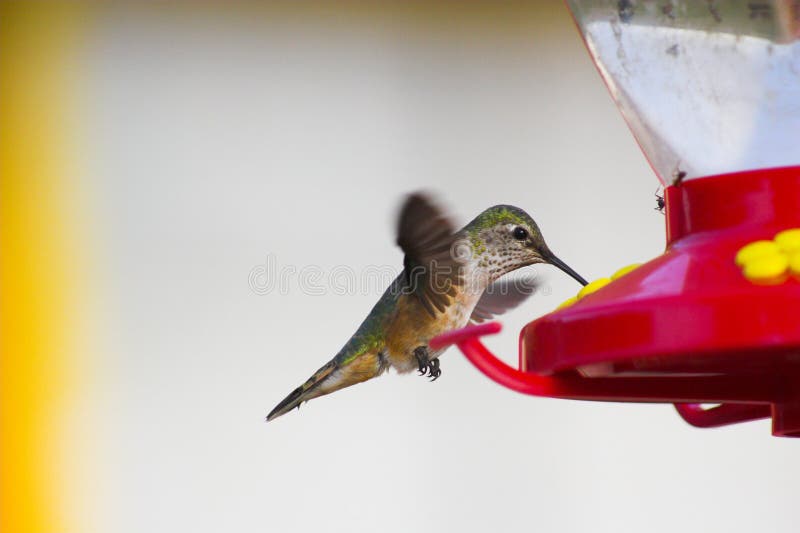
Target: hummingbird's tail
{"x":308,"y":390}
{"x":336,"y":374}
{"x":290,"y":402}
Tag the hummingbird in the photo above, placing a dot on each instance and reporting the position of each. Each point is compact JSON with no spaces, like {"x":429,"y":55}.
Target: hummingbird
{"x":449,"y":278}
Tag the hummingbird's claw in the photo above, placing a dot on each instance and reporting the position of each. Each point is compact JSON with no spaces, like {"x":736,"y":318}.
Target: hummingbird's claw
{"x":433,"y":369}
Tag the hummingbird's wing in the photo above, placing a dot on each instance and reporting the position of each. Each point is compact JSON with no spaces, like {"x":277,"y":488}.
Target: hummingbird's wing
{"x":501,"y":296}
{"x":427,"y":237}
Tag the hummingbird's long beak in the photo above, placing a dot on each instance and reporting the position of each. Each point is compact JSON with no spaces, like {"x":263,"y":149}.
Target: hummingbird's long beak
{"x":555,"y":261}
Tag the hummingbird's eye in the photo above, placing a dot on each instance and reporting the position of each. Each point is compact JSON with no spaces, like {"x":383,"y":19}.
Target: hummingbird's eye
{"x":520,"y":233}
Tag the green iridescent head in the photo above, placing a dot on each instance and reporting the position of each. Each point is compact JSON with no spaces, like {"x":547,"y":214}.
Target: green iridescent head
{"x":504,"y":238}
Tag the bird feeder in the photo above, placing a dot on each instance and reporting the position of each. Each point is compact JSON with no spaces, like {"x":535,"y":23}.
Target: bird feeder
{"x":711,"y":91}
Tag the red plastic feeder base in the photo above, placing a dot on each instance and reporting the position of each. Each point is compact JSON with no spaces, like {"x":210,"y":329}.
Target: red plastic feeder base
{"x":685,"y":328}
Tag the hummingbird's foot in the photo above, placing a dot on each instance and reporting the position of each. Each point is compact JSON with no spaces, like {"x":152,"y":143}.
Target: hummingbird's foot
{"x":433,"y":369}
{"x":426,"y":365}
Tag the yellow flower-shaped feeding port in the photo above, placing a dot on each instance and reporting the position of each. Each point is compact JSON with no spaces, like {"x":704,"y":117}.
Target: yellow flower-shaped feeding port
{"x":767,"y":270}
{"x":789,"y":240}
{"x":756,"y":251}
{"x":771,"y":262}
{"x":567,"y":302}
{"x":599,"y":283}
{"x":593,"y":286}
{"x":794,"y":263}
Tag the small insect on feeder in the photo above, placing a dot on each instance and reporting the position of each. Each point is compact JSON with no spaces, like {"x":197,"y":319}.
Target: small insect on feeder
{"x":711,"y":91}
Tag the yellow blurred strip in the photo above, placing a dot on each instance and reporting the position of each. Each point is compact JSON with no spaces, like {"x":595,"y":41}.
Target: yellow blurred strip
{"x":38,"y":41}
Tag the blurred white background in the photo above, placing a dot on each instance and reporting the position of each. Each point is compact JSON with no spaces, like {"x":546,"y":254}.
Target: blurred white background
{"x":218,"y":138}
